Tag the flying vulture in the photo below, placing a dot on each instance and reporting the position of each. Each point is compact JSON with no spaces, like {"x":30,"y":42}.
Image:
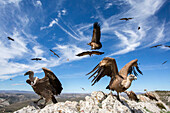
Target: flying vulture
{"x":9,"y":38}
{"x":83,"y":88}
{"x":120,"y":81}
{"x":138,"y":28}
{"x":46,"y":87}
{"x":150,"y":95}
{"x":132,"y":95}
{"x":164,"y":62}
{"x":95,"y":42}
{"x":156,"y":46}
{"x":55,"y":53}
{"x":90,"y":53}
{"x":126,"y":19}
{"x":167,"y":46}
{"x":36,"y":59}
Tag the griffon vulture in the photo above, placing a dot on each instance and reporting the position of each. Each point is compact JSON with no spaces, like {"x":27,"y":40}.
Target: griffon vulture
{"x":90,"y":53}
{"x":132,"y":95}
{"x":46,"y":87}
{"x":156,"y":46}
{"x":36,"y":59}
{"x":120,"y":81}
{"x":164,"y":62}
{"x":150,"y":95}
{"x":95,"y":42}
{"x":9,"y":38}
{"x":126,"y":19}
{"x":55,"y":53}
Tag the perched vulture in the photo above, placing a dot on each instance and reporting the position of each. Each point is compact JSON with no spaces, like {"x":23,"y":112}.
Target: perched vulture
{"x":156,"y":46}
{"x":90,"y":53}
{"x":120,"y":81}
{"x":164,"y":62}
{"x":55,"y":53}
{"x":132,"y":95}
{"x":138,"y":28}
{"x":36,"y":59}
{"x":150,"y":95}
{"x":95,"y":42}
{"x":46,"y":87}
{"x":126,"y":19}
{"x":9,"y":38}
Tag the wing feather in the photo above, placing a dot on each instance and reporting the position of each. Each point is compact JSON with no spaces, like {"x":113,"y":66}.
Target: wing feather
{"x":96,"y":33}
{"x":97,"y":52}
{"x":54,"y":81}
{"x":107,"y":67}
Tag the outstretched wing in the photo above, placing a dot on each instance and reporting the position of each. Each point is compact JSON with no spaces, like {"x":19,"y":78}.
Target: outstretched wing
{"x":129,"y":68}
{"x":55,"y":53}
{"x":97,"y":52}
{"x":96,"y":33}
{"x":123,"y":19}
{"x":83,"y":53}
{"x":107,"y":67}
{"x":55,"y":83}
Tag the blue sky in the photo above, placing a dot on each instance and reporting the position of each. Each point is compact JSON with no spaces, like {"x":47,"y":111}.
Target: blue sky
{"x":66,"y":27}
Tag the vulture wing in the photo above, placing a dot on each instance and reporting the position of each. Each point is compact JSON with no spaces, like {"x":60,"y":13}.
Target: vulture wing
{"x":156,"y":46}
{"x":55,"y":83}
{"x":107,"y":67}
{"x":96,"y":33}
{"x":9,"y":38}
{"x":129,"y":69}
{"x":55,"y":53}
{"x":123,"y":19}
{"x":84,"y":53}
{"x":97,"y":52}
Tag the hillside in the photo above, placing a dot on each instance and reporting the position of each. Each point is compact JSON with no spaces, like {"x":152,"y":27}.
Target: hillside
{"x":100,"y":102}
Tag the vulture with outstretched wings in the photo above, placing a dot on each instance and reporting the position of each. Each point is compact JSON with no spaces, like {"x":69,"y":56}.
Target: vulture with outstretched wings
{"x":9,"y":38}
{"x":46,"y":87}
{"x":95,"y":42}
{"x":90,"y":53}
{"x":164,"y":62}
{"x":55,"y":53}
{"x":120,"y":81}
{"x":156,"y":46}
{"x":36,"y":59}
{"x":126,"y":19}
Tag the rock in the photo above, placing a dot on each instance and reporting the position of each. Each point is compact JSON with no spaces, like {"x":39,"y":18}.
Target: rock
{"x":98,"y":102}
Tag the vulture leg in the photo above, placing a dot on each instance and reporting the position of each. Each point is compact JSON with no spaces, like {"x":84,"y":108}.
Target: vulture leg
{"x":54,"y":100}
{"x":118,"y":96}
{"x":36,"y":102}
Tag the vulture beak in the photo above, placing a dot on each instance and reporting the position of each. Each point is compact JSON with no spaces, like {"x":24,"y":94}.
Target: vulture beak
{"x":135,"y":78}
{"x":26,"y":74}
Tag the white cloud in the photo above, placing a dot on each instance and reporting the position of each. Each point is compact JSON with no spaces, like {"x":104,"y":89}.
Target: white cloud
{"x":38,"y":52}
{"x":108,"y":5}
{"x":51,"y":24}
{"x":18,"y":84}
{"x":64,"y":11}
{"x":39,"y":3}
{"x":10,"y":1}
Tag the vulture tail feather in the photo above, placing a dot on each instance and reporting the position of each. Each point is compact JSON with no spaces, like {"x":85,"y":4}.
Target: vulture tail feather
{"x":137,"y":68}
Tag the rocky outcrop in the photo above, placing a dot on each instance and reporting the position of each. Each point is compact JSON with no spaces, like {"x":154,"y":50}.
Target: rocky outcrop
{"x":99,"y":102}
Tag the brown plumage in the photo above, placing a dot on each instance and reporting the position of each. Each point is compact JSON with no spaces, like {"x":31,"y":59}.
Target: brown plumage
{"x":150,"y":95}
{"x":95,"y":42}
{"x":90,"y":53}
{"x":55,"y":53}
{"x":126,"y":19}
{"x":9,"y":38}
{"x":156,"y":46}
{"x":132,"y":95}
{"x":120,"y":81}
{"x":167,"y":46}
{"x":36,"y":59}
{"x":46,"y":87}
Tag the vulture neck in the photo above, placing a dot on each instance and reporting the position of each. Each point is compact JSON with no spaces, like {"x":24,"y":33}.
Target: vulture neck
{"x":128,"y":83}
{"x":31,"y":77}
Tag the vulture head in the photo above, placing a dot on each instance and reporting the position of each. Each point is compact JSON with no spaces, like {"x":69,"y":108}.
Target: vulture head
{"x":29,"y":73}
{"x":132,"y":77}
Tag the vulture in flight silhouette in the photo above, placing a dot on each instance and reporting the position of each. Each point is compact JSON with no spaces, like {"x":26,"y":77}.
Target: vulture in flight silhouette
{"x":36,"y":59}
{"x":95,"y":42}
{"x":156,"y":46}
{"x":167,"y":46}
{"x":90,"y":53}
{"x":55,"y":53}
{"x":46,"y":87}
{"x":138,"y":28}
{"x":120,"y":81}
{"x":164,"y":62}
{"x":9,"y":38}
{"x":132,"y":95}
{"x":126,"y":19}
{"x":150,"y":95}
